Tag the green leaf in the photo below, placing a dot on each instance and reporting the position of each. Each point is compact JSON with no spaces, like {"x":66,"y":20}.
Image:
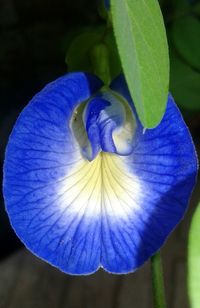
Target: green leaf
{"x":142,"y":44}
{"x":184,"y":83}
{"x":194,"y":260}
{"x":185,"y":35}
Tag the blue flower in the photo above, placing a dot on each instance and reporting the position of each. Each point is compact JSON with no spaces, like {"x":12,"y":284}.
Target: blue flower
{"x":86,"y":186}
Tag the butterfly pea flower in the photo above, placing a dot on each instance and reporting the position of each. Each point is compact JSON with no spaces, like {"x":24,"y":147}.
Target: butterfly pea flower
{"x":85,"y":186}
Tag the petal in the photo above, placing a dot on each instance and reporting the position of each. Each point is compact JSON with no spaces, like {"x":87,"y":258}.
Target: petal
{"x":110,"y":125}
{"x":114,"y":211}
{"x":91,"y":115}
{"x":163,"y":168}
{"x":41,"y":174}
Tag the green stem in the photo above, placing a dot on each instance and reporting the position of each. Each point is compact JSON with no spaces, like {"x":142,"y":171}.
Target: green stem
{"x":100,"y":62}
{"x":158,"y":282}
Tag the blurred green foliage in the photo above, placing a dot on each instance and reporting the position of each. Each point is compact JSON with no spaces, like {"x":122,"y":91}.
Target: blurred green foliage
{"x":194,"y":260}
{"x":183,"y":28}
{"x":184,"y":82}
{"x":186,"y":38}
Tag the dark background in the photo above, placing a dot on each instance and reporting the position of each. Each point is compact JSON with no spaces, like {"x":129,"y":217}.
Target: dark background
{"x":34,"y":36}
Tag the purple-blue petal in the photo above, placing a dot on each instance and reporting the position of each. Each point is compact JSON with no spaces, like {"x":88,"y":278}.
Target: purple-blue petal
{"x":40,"y":154}
{"x":110,"y":125}
{"x":114,"y":211}
{"x":164,"y":162}
{"x":93,"y":125}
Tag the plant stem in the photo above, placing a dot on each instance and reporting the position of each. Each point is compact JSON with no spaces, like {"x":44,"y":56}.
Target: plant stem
{"x":158,"y":282}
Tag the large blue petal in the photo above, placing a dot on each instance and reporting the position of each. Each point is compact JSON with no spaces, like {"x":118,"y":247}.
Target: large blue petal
{"x":161,"y":173}
{"x":40,"y":200}
{"x":114,"y":211}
